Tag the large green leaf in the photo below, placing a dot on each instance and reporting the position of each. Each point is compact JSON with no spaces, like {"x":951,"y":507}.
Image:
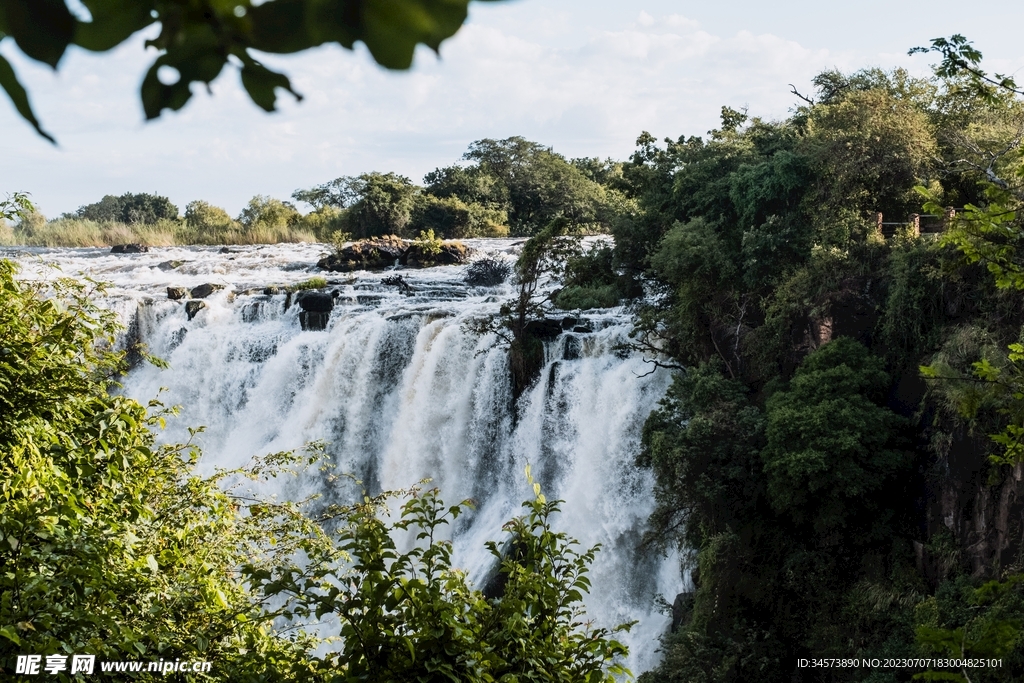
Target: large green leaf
{"x":14,"y":90}
{"x":196,"y":57}
{"x":42,"y":28}
{"x":113,"y":22}
{"x":261,"y":84}
{"x":394,"y":27}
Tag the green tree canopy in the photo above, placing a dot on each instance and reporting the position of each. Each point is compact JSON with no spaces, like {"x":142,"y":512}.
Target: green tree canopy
{"x":129,"y":208}
{"x":267,"y":212}
{"x":206,"y":217}
{"x":830,"y":443}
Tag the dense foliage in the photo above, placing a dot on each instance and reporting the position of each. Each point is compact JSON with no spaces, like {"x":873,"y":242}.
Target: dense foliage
{"x":834,"y":500}
{"x":113,"y":545}
{"x":508,"y":186}
{"x":129,"y":208}
{"x":511,"y":186}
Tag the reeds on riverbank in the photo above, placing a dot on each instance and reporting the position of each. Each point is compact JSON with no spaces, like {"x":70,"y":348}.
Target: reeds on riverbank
{"x":75,"y":232}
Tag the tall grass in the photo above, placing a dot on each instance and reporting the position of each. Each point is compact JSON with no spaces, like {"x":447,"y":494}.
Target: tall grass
{"x":73,"y":232}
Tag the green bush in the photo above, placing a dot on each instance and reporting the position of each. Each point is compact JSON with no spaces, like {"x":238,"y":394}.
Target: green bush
{"x":453,"y":218}
{"x":572,"y":297}
{"x":831,"y":443}
{"x":207,"y":219}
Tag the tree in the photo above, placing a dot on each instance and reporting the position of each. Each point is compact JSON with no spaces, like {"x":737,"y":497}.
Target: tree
{"x":870,"y":148}
{"x":206,"y":217}
{"x":830,"y":443}
{"x":267,"y":212}
{"x":531,"y":182}
{"x":339,"y":193}
{"x":411,"y":616}
{"x":376,"y":203}
{"x":15,"y":205}
{"x":129,"y":208}
{"x":451,"y":217}
{"x":385,"y":205}
{"x":197,"y":39}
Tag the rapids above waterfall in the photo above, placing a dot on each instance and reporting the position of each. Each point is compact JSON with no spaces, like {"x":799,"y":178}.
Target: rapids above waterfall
{"x":401,"y":391}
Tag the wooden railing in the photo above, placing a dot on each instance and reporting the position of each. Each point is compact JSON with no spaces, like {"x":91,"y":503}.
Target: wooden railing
{"x":918,"y":223}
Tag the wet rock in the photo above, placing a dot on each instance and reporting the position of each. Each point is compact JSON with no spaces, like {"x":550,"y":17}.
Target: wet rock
{"x":170,"y":265}
{"x":398,"y":281}
{"x":544,"y":329}
{"x":205,"y":290}
{"x":376,"y":253}
{"x":272,"y":290}
{"x":572,"y":349}
{"x":579,"y":325}
{"x":193,"y":307}
{"x":133,"y":248}
{"x":316,"y":302}
{"x":225,"y":250}
{"x":682,"y":610}
{"x":450,"y":254}
{"x":177,"y":293}
{"x":252,"y":312}
{"x":177,"y":337}
{"x":314,"y":320}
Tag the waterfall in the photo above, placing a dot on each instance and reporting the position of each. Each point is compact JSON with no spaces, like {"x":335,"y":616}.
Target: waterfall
{"x":401,"y":390}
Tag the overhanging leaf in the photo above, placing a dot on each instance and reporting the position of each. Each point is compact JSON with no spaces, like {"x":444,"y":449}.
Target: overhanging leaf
{"x":14,"y":90}
{"x":42,"y":28}
{"x":113,"y":22}
{"x":261,"y":84}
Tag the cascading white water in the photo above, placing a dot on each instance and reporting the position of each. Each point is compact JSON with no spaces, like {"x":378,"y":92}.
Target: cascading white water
{"x":401,"y":390}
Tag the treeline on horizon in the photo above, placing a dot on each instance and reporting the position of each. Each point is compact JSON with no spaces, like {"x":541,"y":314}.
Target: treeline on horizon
{"x":502,"y":187}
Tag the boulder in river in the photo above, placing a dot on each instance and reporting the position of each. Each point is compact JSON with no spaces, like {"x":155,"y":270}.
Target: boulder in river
{"x":205,"y":290}
{"x":446,"y":254}
{"x":314,"y":320}
{"x":316,"y":302}
{"x":193,"y":307}
{"x":133,"y":248}
{"x":169,"y":265}
{"x":378,"y":253}
{"x":177,"y":293}
{"x":544,"y":329}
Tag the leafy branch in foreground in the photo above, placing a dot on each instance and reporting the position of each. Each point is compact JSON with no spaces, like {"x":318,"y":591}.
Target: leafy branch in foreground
{"x":15,"y":205}
{"x":199,"y":37}
{"x":961,"y":58}
{"x":412,"y":616}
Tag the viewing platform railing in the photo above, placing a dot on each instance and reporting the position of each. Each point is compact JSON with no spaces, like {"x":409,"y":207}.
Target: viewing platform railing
{"x":918,"y":223}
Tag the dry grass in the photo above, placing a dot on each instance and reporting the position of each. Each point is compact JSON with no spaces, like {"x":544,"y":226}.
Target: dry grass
{"x":85,"y":233}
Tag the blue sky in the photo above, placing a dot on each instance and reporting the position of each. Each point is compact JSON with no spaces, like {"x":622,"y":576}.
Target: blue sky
{"x":585,"y":77}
